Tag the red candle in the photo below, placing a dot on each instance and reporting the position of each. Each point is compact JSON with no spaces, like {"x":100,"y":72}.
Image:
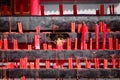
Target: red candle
{"x":79,"y":28}
{"x":110,"y":43}
{"x":5,"y":10}
{"x":102,"y":9}
{"x":116,"y":44}
{"x":37,"y":42}
{"x":96,"y":36}
{"x":61,"y":9}
{"x":21,"y":63}
{"x":21,"y":9}
{"x":44,"y":46}
{"x":47,"y":64}
{"x":15,"y":44}
{"x":119,"y":46}
{"x":38,"y":29}
{"x":29,"y":47}
{"x":88,"y":64}
{"x":49,"y":47}
{"x":104,"y":36}
{"x":105,"y":63}
{"x":110,"y":10}
{"x":74,"y":9}
{"x":70,"y":63}
{"x":10,"y":66}
{"x":0,"y":44}
{"x":32,"y":66}
{"x":101,"y":26}
{"x":5,"y":44}
{"x":68,"y":44}
{"x":34,"y":7}
{"x":76,"y":42}
{"x":23,"y":78}
{"x":113,"y":11}
{"x":90,"y":43}
{"x":42,"y":10}
{"x":119,"y":63}
{"x":72,"y":27}
{"x":78,"y":66}
{"x":37,"y":61}
{"x":20,"y":27}
{"x":113,"y":62}
{"x":97,"y":12}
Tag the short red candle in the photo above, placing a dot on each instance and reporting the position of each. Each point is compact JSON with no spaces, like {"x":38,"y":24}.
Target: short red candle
{"x":102,"y":9}
{"x":37,"y":42}
{"x":44,"y":46}
{"x":72,"y":27}
{"x":37,"y":61}
{"x":78,"y":66}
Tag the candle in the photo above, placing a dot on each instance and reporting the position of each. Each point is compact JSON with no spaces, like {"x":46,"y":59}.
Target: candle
{"x":113,"y":11}
{"x":37,"y":42}
{"x":68,"y":44}
{"x":29,"y":47}
{"x":102,"y":9}
{"x":34,"y":7}
{"x":97,"y":12}
{"x":79,"y":28}
{"x":96,"y":36}
{"x":105,"y":63}
{"x":116,"y":44}
{"x":70,"y":63}
{"x":61,"y":9}
{"x":20,"y":27}
{"x":47,"y":64}
{"x":37,"y":61}
{"x":110,"y":43}
{"x":44,"y":46}
{"x":32,"y":66}
{"x":113,"y":62}
{"x":110,"y":10}
{"x":119,"y":46}
{"x":0,"y":44}
{"x":90,"y":43}
{"x":15,"y":44}
{"x":23,"y":78}
{"x":38,"y":29}
{"x":74,"y":9}
{"x":76,"y":42}
{"x":49,"y":47}
{"x":78,"y":66}
{"x":104,"y":37}
{"x":5,"y":44}
{"x":73,"y":27}
{"x":42,"y":10}
{"x":88,"y":64}
{"x":101,"y":26}
{"x":119,"y":63}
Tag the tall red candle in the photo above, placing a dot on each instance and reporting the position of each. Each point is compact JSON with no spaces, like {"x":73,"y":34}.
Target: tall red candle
{"x":15,"y":44}
{"x":96,"y":36}
{"x":110,"y":43}
{"x":47,"y":64}
{"x":61,"y":9}
{"x":68,"y":44}
{"x":42,"y":10}
{"x":37,"y":42}
{"x":34,"y":7}
{"x":101,"y":26}
{"x":116,"y":44}
{"x":74,"y":9}
{"x":72,"y":27}
{"x":102,"y":9}
{"x":90,"y":43}
{"x":113,"y":62}
{"x":79,"y":28}
{"x":104,"y":36}
{"x":37,"y":61}
{"x":113,"y":11}
{"x":105,"y":63}
{"x":110,"y":10}
{"x":76,"y":42}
